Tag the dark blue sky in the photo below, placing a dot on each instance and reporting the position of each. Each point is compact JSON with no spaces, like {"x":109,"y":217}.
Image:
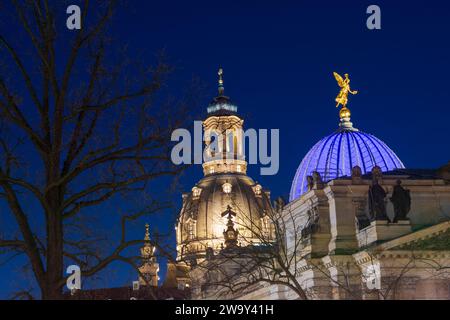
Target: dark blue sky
{"x":278,"y":58}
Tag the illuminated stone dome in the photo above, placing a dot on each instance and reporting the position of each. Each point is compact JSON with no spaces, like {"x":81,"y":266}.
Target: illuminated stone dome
{"x":226,"y":197}
{"x":335,"y":155}
{"x":201,"y":223}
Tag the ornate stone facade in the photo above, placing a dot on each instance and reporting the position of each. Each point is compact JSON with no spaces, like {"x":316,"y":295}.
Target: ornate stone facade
{"x":226,"y":209}
{"x":368,"y":229}
{"x":408,"y":259}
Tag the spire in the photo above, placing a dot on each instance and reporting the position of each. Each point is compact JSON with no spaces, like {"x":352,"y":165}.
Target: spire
{"x":147,"y":232}
{"x":221,"y":88}
{"x":149,"y":268}
{"x":148,"y":249}
{"x":221,"y":104}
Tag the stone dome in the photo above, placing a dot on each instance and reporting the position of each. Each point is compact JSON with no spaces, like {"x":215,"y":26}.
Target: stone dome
{"x":200,"y":224}
{"x":335,"y":155}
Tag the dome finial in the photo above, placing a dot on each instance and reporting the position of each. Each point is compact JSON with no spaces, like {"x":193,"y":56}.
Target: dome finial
{"x":342,"y":98}
{"x":221,"y":88}
{"x":344,"y":113}
{"x":147,"y":232}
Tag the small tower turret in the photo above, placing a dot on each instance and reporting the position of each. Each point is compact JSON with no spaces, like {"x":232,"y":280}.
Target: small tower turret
{"x":223,"y":135}
{"x":149,"y":268}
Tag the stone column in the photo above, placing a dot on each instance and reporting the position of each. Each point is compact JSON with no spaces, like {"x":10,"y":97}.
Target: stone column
{"x":342,"y":220}
{"x":345,"y":277}
{"x":320,"y":238}
{"x":316,"y":280}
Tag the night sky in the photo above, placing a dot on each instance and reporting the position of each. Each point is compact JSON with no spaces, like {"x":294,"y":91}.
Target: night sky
{"x":278,"y":59}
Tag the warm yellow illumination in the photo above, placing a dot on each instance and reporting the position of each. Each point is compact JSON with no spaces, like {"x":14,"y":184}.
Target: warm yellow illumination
{"x":342,"y":98}
{"x":257,"y":189}
{"x":227,"y":187}
{"x":196,"y":192}
{"x":344,"y":113}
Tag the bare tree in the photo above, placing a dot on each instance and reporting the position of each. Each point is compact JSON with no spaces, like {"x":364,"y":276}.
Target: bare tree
{"x":265,"y":259}
{"x":397,"y":275}
{"x":80,"y":126}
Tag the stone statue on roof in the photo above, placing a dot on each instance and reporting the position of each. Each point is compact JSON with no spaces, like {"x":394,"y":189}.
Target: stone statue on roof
{"x":377,"y":205}
{"x":401,"y":199}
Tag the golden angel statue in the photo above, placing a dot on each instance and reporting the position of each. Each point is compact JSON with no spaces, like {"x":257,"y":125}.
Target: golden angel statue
{"x":342,"y":97}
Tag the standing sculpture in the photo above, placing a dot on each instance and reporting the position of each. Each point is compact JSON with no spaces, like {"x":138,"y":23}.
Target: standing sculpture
{"x":377,"y":205}
{"x":317,"y":180}
{"x":401,"y":199}
{"x":342,"y":97}
{"x":356,"y":172}
{"x":230,"y":234}
{"x":310,"y":182}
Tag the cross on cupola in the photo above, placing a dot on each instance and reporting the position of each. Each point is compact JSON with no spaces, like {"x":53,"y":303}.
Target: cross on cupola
{"x":230,"y":234}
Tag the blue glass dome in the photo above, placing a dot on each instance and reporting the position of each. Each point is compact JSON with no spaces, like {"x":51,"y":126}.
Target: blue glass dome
{"x":335,"y":155}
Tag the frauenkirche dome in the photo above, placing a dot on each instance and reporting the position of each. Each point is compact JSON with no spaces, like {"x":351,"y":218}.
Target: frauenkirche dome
{"x":226,"y":201}
{"x":201,"y":222}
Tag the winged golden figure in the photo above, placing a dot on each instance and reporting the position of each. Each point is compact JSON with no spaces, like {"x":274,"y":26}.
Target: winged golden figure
{"x":342,"y":97}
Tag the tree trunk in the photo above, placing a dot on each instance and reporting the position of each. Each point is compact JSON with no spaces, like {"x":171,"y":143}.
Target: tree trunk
{"x":55,"y":255}
{"x":54,"y":260}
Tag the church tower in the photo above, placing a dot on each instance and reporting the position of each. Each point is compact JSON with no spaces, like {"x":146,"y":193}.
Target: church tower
{"x":149,"y":268}
{"x":205,"y":224}
{"x":223,"y":136}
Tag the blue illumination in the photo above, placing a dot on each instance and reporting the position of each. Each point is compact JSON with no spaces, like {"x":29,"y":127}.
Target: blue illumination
{"x":335,"y":155}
